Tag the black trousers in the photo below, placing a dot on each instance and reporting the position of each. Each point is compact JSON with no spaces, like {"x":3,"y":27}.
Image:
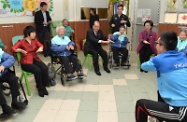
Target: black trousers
{"x":95,"y":57}
{"x":44,"y":38}
{"x":116,"y":52}
{"x":145,"y":53}
{"x":159,"y":110}
{"x":44,"y":35}
{"x":12,"y":80}
{"x":40,"y":71}
{"x":66,"y":60}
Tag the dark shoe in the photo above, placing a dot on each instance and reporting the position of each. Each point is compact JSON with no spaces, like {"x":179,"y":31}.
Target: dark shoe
{"x":146,"y":71}
{"x":41,"y":93}
{"x":107,"y":70}
{"x":141,"y":70}
{"x":71,"y":77}
{"x":45,"y":91}
{"x":98,"y":73}
{"x":8,"y":110}
{"x":81,"y":75}
{"x":18,"y":105}
{"x":115,"y":65}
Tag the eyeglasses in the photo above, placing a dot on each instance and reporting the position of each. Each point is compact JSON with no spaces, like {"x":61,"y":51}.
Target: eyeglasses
{"x":156,"y":42}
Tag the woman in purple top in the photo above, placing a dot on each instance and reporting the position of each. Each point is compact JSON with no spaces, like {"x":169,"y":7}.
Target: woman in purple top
{"x":146,"y":45}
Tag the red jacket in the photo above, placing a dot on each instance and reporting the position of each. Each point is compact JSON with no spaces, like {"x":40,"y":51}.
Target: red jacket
{"x":30,"y":48}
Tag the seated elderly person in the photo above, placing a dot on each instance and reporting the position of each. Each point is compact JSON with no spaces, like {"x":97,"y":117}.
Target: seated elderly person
{"x":6,"y":61}
{"x":119,"y":46}
{"x":182,"y":41}
{"x":65,"y":47}
{"x":68,"y":29}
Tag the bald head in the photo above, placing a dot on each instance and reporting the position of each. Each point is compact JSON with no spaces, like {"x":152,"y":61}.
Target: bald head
{"x":96,"y":26}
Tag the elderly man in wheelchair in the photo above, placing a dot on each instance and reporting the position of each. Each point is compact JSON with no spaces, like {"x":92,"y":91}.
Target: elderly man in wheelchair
{"x":64,"y":49}
{"x":7,"y":61}
{"x":119,"y":48}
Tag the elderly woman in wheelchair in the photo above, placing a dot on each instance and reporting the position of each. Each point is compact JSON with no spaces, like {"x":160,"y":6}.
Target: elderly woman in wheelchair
{"x":119,"y":48}
{"x":7,"y":61}
{"x":64,"y":48}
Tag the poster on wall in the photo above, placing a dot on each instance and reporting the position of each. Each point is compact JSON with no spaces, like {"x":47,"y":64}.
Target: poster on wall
{"x":183,"y":5}
{"x":146,"y":14}
{"x":16,"y":8}
{"x":172,"y":5}
{"x":182,"y":18}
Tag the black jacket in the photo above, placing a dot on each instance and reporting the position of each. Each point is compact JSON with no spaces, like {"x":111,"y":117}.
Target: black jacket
{"x":93,"y":18}
{"x":39,"y":20}
{"x":92,"y":41}
{"x":117,"y":21}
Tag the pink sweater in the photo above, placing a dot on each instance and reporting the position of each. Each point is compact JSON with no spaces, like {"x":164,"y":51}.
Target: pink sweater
{"x":152,"y":38}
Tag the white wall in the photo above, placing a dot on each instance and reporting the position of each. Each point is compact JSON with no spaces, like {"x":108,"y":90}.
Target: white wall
{"x":162,"y":10}
{"x":74,"y":7}
{"x":58,"y":15}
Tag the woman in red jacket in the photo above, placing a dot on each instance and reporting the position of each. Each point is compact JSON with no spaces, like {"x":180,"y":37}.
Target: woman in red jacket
{"x":146,"y":45}
{"x":29,"y":46}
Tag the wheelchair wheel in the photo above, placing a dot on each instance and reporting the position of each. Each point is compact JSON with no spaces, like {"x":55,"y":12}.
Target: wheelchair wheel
{"x":6,"y":89}
{"x":63,"y":77}
{"x":51,"y":70}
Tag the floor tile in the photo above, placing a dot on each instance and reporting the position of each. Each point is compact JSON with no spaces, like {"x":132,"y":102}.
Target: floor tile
{"x":106,"y":96}
{"x":123,"y":117}
{"x":46,"y":115}
{"x":128,"y":106}
{"x":66,"y":116}
{"x":106,"y":88}
{"x":76,"y":87}
{"x":91,"y":88}
{"x":52,"y":104}
{"x":119,"y":82}
{"x":121,"y":89}
{"x":86,"y":116}
{"x":27,"y":115}
{"x":57,"y":94}
{"x":73,"y":95}
{"x":107,"y":106}
{"x":107,"y":117}
{"x":88,"y":105}
{"x":90,"y":96}
{"x":70,"y":105}
{"x":131,"y":76}
{"x":125,"y":96}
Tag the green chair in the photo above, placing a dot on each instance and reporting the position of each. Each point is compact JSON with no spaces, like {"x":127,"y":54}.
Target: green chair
{"x":139,"y":61}
{"x":89,"y":57}
{"x":24,"y":74}
{"x":53,"y":27}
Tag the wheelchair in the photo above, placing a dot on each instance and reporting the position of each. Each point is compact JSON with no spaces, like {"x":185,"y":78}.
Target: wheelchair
{"x":55,"y":60}
{"x":111,"y":60}
{"x":6,"y":88}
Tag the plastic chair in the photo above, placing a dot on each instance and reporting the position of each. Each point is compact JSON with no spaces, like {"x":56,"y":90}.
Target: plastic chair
{"x":139,"y":61}
{"x":24,"y":74}
{"x":53,"y":27}
{"x":89,"y":57}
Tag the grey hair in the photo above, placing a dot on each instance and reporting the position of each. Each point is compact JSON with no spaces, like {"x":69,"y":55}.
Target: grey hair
{"x":183,"y":30}
{"x":58,"y":28}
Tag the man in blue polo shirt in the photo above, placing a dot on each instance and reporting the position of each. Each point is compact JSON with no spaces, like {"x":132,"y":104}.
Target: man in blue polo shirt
{"x":171,"y":67}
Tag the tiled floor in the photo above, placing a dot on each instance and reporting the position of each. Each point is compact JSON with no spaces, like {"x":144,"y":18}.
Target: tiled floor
{"x":108,"y":98}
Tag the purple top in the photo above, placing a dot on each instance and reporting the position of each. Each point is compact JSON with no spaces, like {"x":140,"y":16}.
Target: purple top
{"x":152,"y":37}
